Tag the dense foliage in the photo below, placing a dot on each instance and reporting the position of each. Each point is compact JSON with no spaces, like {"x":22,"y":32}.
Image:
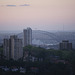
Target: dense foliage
{"x":45,"y":67}
{"x":41,"y":52}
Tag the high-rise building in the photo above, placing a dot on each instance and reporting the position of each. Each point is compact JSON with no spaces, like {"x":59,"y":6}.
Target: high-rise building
{"x":65,"y":45}
{"x":27,"y":36}
{"x":13,"y":48}
{"x":6,"y":51}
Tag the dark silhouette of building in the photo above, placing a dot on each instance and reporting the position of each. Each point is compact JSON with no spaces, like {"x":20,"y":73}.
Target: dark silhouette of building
{"x":65,"y":45}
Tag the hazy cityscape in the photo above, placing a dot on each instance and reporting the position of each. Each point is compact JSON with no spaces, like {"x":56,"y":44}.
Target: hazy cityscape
{"x":44,"y":38}
{"x":37,"y":37}
{"x":20,"y":51}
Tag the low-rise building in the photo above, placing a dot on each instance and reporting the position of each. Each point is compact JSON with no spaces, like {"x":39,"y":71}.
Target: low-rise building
{"x":65,"y":45}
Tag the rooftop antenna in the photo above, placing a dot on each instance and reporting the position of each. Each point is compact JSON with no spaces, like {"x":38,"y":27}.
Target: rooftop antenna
{"x":63,"y":27}
{"x":62,"y":31}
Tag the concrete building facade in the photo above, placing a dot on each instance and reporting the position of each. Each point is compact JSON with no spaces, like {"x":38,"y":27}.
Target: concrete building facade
{"x":27,"y":36}
{"x":13,"y":48}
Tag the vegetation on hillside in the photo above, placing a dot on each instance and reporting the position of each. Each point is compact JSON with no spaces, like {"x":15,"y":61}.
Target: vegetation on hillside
{"x":45,"y":67}
{"x":41,"y":52}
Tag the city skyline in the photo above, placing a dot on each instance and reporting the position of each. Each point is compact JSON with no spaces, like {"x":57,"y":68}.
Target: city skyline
{"x":41,"y":15}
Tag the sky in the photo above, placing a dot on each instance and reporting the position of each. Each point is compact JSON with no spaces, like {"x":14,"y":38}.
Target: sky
{"x":38,"y":14}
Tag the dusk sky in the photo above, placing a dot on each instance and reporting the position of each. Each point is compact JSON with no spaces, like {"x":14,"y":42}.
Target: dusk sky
{"x":37,"y":14}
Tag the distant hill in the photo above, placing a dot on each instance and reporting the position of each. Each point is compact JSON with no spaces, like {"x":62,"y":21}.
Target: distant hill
{"x":44,"y":37}
{"x":51,"y":37}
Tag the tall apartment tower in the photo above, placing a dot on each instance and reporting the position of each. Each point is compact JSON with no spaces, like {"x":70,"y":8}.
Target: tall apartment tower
{"x":27,"y":36}
{"x":13,"y":48}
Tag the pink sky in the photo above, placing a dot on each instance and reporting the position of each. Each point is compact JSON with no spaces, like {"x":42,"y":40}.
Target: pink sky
{"x":40,"y":14}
